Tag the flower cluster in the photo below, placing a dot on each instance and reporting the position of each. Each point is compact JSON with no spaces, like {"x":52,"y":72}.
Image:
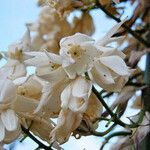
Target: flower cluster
{"x":50,"y":28}
{"x":61,"y":86}
{"x":63,"y":7}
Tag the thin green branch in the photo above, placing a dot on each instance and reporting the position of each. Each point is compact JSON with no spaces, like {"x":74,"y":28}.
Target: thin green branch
{"x":96,"y":133}
{"x":113,"y":115}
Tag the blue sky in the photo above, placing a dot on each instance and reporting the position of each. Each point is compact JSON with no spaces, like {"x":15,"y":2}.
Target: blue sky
{"x":13,"y":16}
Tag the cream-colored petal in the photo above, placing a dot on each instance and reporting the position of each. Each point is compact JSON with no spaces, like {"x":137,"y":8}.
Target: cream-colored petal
{"x":75,"y":39}
{"x":37,"y":60}
{"x":102,"y":74}
{"x":66,"y":59}
{"x":116,"y":87}
{"x":54,"y":58}
{"x":81,"y":88}
{"x":114,"y":52}
{"x":110,"y":33}
{"x":4,"y":73}
{"x":18,"y":70}
{"x":43,"y":99}
{"x":2,"y":131}
{"x":24,"y":105}
{"x":90,"y":50}
{"x":9,"y":119}
{"x":79,"y":68}
{"x":67,"y":122}
{"x":11,"y":136}
{"x":116,"y":64}
{"x":66,"y":96}
{"x":52,"y":76}
{"x":94,"y":109}
{"x":103,"y":48}
{"x":7,"y":91}
{"x":20,"y":80}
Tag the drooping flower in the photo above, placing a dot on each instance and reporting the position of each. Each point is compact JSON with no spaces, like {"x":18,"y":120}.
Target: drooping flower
{"x":41,"y":94}
{"x":74,"y":102}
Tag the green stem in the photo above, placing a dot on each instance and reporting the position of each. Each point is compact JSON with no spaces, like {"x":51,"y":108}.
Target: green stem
{"x":96,"y":133}
{"x":114,"y":116}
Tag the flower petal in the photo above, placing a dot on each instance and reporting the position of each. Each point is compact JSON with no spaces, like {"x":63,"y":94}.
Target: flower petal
{"x":2,"y":131}
{"x":110,"y":33}
{"x":52,"y":76}
{"x":75,"y":39}
{"x":116,"y":64}
{"x":7,"y":91}
{"x":67,"y":122}
{"x":66,"y":96}
{"x":101,"y":72}
{"x":9,"y":120}
{"x":81,"y":88}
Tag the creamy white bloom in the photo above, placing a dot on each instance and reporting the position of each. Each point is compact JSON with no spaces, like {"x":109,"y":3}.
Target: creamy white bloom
{"x":67,"y":122}
{"x":74,"y":102}
{"x":48,"y":66}
{"x":77,"y":53}
{"x":15,"y":67}
{"x":45,"y":94}
{"x":110,"y":71}
{"x":8,"y":118}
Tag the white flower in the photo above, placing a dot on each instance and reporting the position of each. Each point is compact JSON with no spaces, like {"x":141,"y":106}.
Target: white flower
{"x":8,"y":118}
{"x":46,"y":95}
{"x":15,"y":67}
{"x":48,"y":66}
{"x":74,"y":102}
{"x":67,"y":122}
{"x":110,"y":71}
{"x":77,"y":53}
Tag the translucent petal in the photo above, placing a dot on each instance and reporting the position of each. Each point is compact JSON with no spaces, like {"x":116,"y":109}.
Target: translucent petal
{"x":116,"y":64}
{"x":9,"y":120}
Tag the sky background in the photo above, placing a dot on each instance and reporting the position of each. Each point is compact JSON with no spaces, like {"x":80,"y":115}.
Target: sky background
{"x":13,"y":16}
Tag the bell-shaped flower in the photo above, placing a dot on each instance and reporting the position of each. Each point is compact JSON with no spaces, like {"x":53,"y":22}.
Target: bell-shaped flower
{"x":90,"y":117}
{"x":8,"y":118}
{"x":67,"y":122}
{"x":110,"y":71}
{"x":74,"y":102}
{"x":37,"y":90}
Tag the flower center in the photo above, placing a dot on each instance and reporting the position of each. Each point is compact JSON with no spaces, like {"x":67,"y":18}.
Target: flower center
{"x":75,"y":51}
{"x":53,"y":65}
{"x":17,"y":54}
